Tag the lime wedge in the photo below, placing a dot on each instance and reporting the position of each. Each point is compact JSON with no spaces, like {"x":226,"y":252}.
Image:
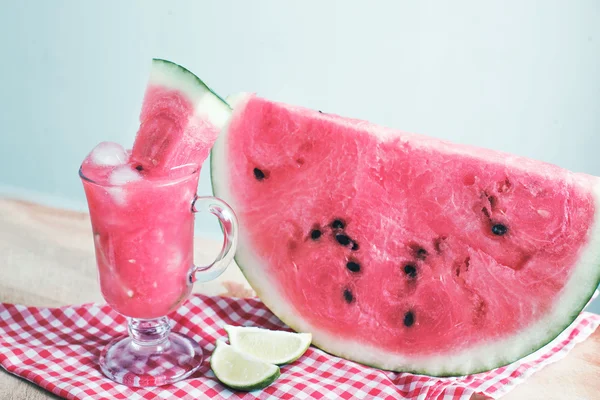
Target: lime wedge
{"x":275,"y":347}
{"x":241,"y":371}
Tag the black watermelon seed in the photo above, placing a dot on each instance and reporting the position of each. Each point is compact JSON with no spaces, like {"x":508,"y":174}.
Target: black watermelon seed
{"x":409,"y":319}
{"x":338,"y":224}
{"x":342,"y":239}
{"x":348,"y":296}
{"x":354,"y":246}
{"x":320,"y":112}
{"x":353,"y":266}
{"x":499,"y":229}
{"x":258,"y":174}
{"x":315,"y":234}
{"x":410,"y":270}
{"x":421,"y":254}
{"x":139,"y":168}
{"x":418,"y":251}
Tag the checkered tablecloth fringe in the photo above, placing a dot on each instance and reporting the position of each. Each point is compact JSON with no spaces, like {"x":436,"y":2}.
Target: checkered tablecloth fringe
{"x":58,"y":349}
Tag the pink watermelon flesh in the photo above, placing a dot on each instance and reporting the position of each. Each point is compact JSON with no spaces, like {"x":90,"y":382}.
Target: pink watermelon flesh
{"x":172,"y":132}
{"x":403,"y":251}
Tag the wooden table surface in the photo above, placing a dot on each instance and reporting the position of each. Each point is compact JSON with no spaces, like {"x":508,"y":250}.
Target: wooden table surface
{"x":47,"y":259}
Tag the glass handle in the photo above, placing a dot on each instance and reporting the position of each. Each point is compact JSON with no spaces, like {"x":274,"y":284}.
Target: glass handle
{"x":229,"y":226}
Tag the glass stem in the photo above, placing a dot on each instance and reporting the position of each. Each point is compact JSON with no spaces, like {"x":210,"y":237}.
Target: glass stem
{"x":149,"y":332}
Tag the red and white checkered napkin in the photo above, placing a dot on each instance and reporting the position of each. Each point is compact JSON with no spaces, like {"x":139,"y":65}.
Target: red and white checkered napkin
{"x":58,"y":349}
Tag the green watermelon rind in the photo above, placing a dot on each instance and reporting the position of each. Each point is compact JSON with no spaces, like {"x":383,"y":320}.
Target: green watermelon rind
{"x":193,"y":76}
{"x":208,"y":104}
{"x":499,"y":362}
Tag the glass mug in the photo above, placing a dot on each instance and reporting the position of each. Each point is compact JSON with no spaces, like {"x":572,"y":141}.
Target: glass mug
{"x":143,"y":237}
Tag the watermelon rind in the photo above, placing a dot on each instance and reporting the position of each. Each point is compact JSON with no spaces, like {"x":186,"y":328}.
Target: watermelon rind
{"x":208,"y":104}
{"x":575,"y":295}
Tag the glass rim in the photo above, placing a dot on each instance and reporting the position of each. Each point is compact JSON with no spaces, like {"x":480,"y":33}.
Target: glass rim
{"x":161,"y":180}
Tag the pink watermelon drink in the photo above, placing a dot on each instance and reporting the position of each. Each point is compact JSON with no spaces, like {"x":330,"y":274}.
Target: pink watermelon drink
{"x":143,"y":232}
{"x":141,"y":206}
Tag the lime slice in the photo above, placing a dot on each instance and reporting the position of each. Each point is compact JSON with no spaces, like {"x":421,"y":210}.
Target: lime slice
{"x":241,"y":371}
{"x":275,"y":347}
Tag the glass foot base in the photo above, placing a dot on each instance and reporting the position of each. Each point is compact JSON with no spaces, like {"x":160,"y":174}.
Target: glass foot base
{"x":132,"y":364}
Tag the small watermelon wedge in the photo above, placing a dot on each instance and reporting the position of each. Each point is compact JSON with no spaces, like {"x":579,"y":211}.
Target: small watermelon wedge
{"x":181,"y":118}
{"x":402,"y":251}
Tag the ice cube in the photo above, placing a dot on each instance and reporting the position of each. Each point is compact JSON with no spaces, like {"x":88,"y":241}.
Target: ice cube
{"x":108,"y":154}
{"x":117,"y":194}
{"x":123,"y":175}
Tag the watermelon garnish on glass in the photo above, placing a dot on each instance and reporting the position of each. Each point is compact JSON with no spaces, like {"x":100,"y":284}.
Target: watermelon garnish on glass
{"x":180,"y":119}
{"x":402,"y":251}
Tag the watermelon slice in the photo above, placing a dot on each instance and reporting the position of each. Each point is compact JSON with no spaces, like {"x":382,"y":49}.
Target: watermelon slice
{"x":180,"y":120}
{"x":402,"y":251}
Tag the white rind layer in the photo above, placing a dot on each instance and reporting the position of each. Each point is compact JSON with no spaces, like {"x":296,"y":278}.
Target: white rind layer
{"x":207,"y":105}
{"x":483,"y":356}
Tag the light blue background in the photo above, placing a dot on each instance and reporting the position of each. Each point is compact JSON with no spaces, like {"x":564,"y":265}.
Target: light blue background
{"x":522,"y":77}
